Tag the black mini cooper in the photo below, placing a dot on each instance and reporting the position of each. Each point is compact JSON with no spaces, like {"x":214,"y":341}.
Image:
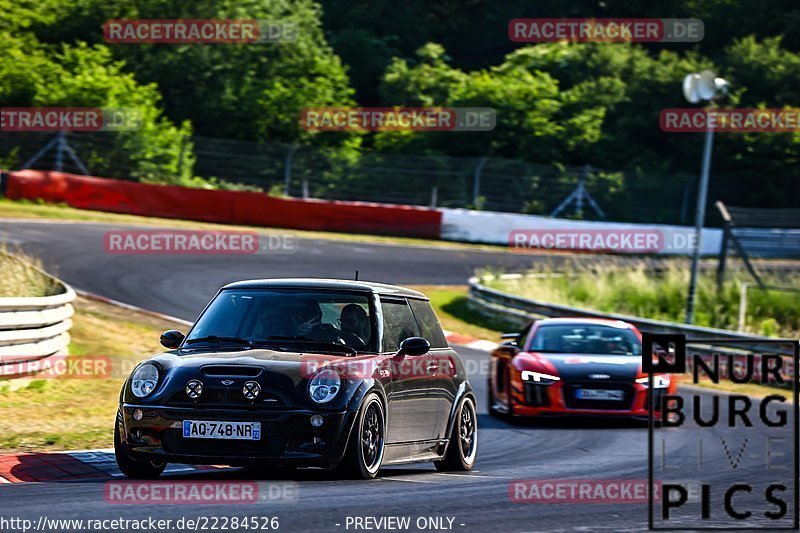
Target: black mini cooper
{"x":301,"y":373}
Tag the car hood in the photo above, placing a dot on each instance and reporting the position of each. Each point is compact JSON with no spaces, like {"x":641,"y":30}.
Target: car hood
{"x":294,"y":364}
{"x":582,"y":366}
{"x":281,"y":374}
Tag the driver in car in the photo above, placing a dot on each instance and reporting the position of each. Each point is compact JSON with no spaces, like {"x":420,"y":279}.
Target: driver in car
{"x":355,"y":325}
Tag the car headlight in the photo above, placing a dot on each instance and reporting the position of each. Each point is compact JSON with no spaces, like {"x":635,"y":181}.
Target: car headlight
{"x":324,"y":386}
{"x":144,"y":380}
{"x":539,"y":377}
{"x":661,"y":381}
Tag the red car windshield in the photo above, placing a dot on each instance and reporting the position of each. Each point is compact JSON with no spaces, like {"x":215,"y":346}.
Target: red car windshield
{"x":586,"y":338}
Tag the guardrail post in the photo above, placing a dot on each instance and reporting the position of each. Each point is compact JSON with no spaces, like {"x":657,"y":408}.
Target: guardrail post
{"x":476,"y":182}
{"x":723,"y":256}
{"x":287,"y":169}
{"x":742,"y":306}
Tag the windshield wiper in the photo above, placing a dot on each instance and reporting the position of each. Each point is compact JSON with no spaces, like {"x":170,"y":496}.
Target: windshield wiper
{"x":221,"y":340}
{"x":302,"y":338}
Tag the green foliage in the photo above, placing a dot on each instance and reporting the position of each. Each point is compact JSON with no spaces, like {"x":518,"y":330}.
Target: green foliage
{"x":37,"y":75}
{"x":235,"y":91}
{"x":556,"y":103}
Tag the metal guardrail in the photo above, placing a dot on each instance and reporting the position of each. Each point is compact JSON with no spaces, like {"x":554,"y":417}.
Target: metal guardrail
{"x":518,"y":310}
{"x":32,"y":329}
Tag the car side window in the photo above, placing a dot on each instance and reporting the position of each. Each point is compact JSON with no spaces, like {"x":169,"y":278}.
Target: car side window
{"x":428,"y":323}
{"x":398,"y":324}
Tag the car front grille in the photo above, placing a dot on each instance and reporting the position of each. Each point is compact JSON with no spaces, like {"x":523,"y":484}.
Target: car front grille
{"x":537,"y":395}
{"x":226,"y":398}
{"x":573,"y":402}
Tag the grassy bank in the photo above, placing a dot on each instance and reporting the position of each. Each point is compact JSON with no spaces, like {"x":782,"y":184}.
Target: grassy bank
{"x":78,"y":413}
{"x":21,"y":276}
{"x":637,"y":290}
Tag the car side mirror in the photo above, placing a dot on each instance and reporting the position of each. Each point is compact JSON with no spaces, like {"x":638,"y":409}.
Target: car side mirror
{"x":414,"y":346}
{"x":511,"y":339}
{"x":171,"y":339}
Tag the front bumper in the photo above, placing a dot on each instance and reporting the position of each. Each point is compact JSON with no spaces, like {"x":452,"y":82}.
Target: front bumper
{"x":287,"y":437}
{"x":558,"y":399}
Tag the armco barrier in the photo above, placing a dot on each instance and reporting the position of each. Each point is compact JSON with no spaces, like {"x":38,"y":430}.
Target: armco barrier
{"x":517,"y":309}
{"x":227,"y":207}
{"x":32,"y":329}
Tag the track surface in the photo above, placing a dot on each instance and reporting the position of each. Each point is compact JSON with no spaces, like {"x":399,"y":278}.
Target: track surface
{"x":572,"y":449}
{"x":181,"y":285}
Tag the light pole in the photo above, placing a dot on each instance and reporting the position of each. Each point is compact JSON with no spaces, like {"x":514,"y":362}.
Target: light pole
{"x":696,"y":87}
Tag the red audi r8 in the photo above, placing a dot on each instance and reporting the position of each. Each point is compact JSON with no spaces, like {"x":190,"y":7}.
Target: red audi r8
{"x":573,"y":366}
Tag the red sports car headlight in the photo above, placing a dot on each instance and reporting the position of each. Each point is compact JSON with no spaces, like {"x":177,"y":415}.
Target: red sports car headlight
{"x":539,"y":377}
{"x":662,"y":381}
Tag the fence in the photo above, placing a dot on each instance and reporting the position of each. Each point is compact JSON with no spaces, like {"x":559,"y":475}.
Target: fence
{"x":485,"y":183}
{"x":32,"y":329}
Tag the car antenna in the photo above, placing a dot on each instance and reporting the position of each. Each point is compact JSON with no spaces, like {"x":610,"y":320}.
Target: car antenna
{"x":356,"y":275}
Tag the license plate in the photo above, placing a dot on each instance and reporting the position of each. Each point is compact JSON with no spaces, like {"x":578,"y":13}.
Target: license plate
{"x":599,"y":394}
{"x":203,"y":429}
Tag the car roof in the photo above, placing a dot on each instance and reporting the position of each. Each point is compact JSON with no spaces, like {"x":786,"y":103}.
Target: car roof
{"x":581,"y":320}
{"x":326,"y":284}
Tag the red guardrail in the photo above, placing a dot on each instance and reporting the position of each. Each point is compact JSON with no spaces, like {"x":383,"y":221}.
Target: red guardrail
{"x":227,"y":207}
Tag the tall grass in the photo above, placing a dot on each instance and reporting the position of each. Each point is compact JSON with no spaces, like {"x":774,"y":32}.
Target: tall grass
{"x":20,"y":276}
{"x":635,"y":289}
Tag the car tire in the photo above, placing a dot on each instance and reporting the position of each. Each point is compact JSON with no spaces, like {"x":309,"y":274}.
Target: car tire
{"x":132,"y":468}
{"x":463,"y":446}
{"x":366,"y":445}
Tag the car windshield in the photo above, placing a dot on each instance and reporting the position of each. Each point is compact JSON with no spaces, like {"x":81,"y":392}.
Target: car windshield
{"x":308,"y":317}
{"x":586,"y":338}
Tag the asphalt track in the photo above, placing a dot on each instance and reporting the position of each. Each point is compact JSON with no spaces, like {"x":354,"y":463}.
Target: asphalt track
{"x":477,"y":501}
{"x":180,"y":285}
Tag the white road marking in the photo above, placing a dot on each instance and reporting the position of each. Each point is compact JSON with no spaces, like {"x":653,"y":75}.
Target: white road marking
{"x":471,"y":475}
{"x":407,"y":480}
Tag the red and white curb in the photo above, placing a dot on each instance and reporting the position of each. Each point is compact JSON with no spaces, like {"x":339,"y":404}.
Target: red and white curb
{"x":72,"y":466}
{"x":470,"y":342}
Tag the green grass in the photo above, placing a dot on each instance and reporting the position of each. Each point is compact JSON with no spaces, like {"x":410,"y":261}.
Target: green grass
{"x":754,"y":390}
{"x":636,"y":290}
{"x":21,"y":276}
{"x":452,"y":308}
{"x":24,"y":209}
